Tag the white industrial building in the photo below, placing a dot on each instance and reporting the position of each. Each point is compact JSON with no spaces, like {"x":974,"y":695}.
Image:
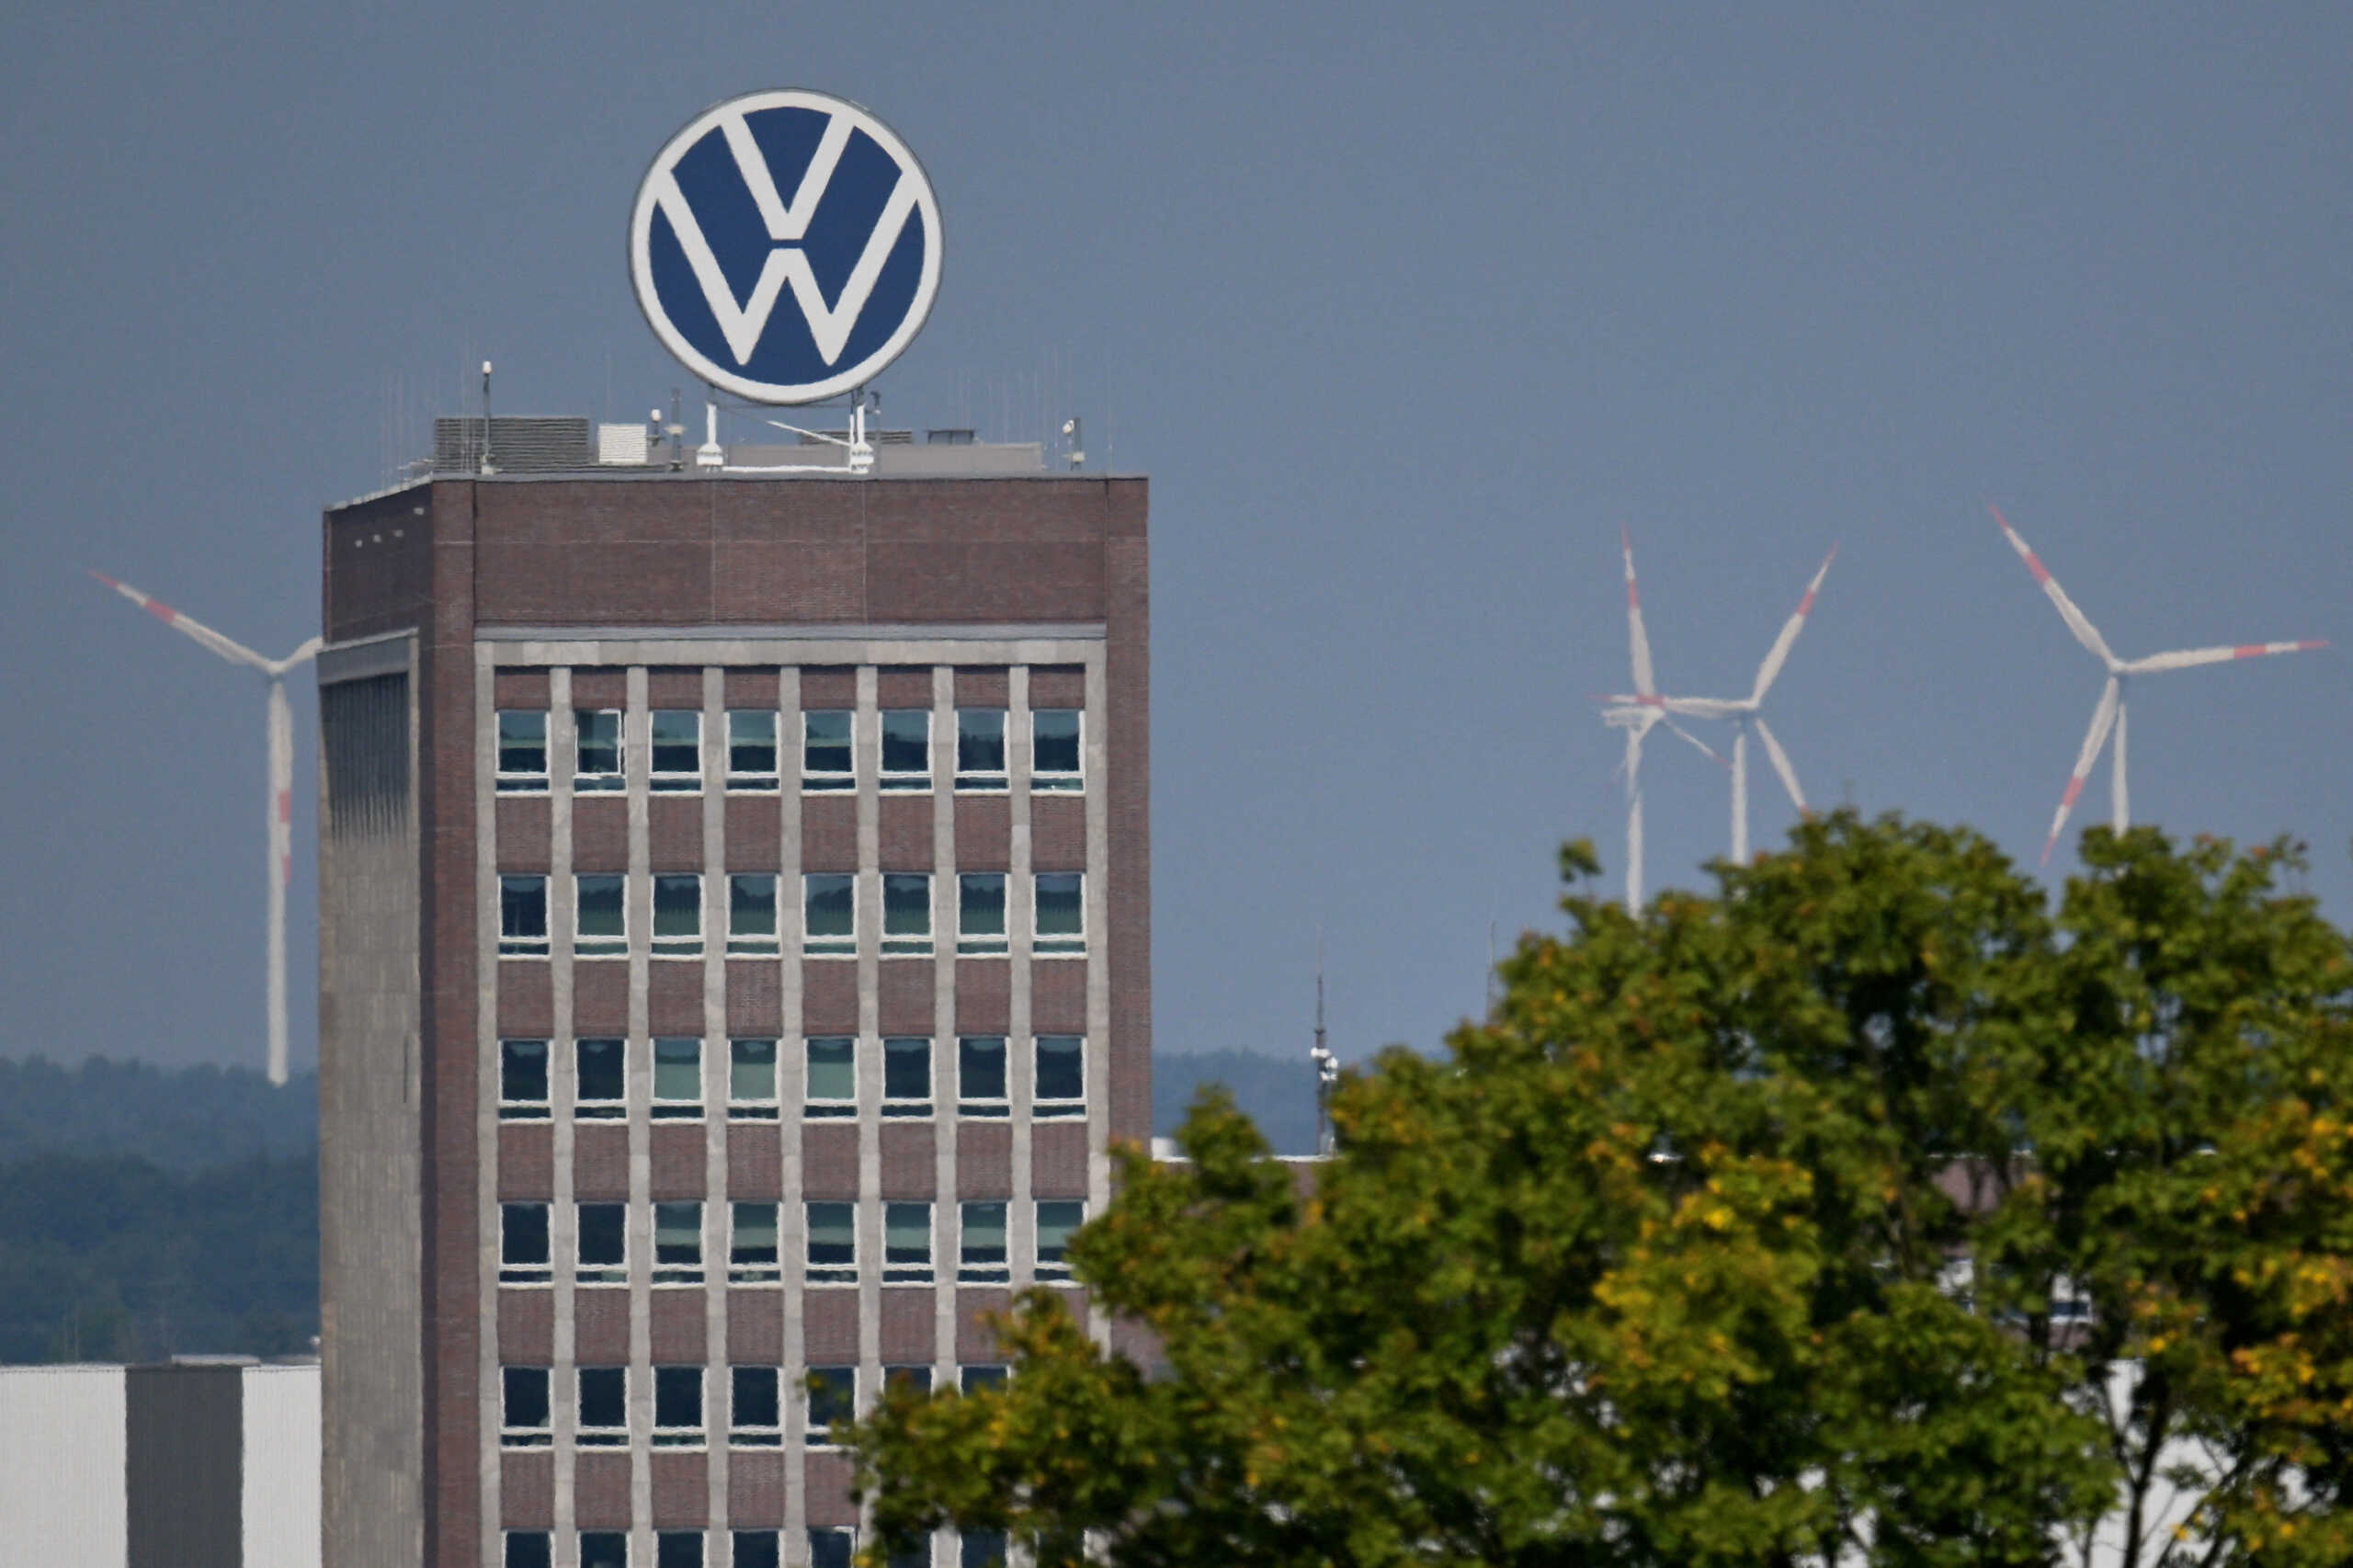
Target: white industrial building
{"x":202,"y":1463}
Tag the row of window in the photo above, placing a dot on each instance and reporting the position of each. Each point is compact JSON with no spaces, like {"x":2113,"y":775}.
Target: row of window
{"x":676,"y":750}
{"x":829,"y":1077}
{"x":834,"y":1548}
{"x":829,"y":911}
{"x":600,"y":1242}
{"x":754,"y":1403}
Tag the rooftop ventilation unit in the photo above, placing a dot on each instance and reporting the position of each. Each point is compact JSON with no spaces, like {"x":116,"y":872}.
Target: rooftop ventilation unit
{"x":518,"y":445}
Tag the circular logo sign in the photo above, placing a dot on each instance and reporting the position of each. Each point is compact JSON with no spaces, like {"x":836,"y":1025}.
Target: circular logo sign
{"x":785,"y":247}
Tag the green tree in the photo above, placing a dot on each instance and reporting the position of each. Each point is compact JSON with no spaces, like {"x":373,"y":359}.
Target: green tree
{"x":1742,"y":1233}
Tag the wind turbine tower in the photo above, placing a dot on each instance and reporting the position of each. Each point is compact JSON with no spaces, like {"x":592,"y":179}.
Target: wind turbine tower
{"x":1637,"y":713}
{"x":279,"y":807}
{"x":1747,"y":713}
{"x":2109,"y":714}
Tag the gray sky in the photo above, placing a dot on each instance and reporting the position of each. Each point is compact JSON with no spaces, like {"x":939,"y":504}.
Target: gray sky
{"x":1406,"y":313}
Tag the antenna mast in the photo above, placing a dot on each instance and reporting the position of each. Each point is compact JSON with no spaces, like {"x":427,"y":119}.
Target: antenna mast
{"x":488,"y":465}
{"x":1327,"y":1067}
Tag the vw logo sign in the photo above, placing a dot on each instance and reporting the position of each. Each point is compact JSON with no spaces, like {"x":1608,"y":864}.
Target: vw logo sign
{"x":785,"y":247}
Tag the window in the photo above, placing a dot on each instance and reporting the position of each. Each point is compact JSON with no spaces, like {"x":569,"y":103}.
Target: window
{"x":603,"y":1407}
{"x":980,"y":1245}
{"x":915,"y":1379}
{"x":677,"y":749}
{"x":833,"y":1396}
{"x":833,"y":1243}
{"x":522,"y":752}
{"x":522,"y":917}
{"x":1058,"y":1219}
{"x":523,"y":1245}
{"x":980,"y":1076}
{"x":757,"y":1549}
{"x":1059,"y":1088}
{"x":980,"y":914}
{"x":751,"y":749}
{"x":833,"y":1078}
{"x":677,"y":1243}
{"x":677,"y":1078}
{"x":979,"y":1549}
{"x":751,"y":917}
{"x":678,"y":1407}
{"x":755,"y":1418}
{"x":906,"y":1243}
{"x":751,"y":1080}
{"x":752,"y":1257}
{"x":603,"y":1252}
{"x":523,"y":1421}
{"x":599,"y":920}
{"x":677,"y":915}
{"x":977,"y":1380}
{"x":825,"y":750}
{"x":1061,"y":914}
{"x":906,"y":748}
{"x":980,"y":748}
{"x":1053,"y":749}
{"x":678,"y":1549}
{"x":599,"y":1080}
{"x":522,"y":1080}
{"x":907,"y":913}
{"x":829,"y":915}
{"x":530,"y":1548}
{"x":831,"y":1548}
{"x":604,"y":1549}
{"x":596,"y":749}
{"x":906,"y":1075}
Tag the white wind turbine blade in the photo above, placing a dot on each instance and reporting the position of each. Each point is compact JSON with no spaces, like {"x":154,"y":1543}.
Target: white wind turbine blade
{"x":1781,"y":760}
{"x":2103,"y":719}
{"x":2188,"y":658}
{"x":1644,"y":682}
{"x":1705,"y":749}
{"x":1780,"y":653}
{"x":2078,"y":622}
{"x":235,"y":651}
{"x":1704,"y":706}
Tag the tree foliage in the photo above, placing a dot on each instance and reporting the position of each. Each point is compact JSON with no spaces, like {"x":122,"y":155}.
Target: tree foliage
{"x":1746,"y":1233}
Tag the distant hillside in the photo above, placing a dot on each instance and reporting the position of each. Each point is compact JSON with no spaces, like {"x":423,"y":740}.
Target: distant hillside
{"x":146,"y":1210}
{"x":1275,"y":1092}
{"x":108,"y":1257}
{"x":178,"y":1117}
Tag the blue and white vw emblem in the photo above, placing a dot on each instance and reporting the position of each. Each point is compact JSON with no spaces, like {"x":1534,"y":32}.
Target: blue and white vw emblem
{"x":785,"y":247}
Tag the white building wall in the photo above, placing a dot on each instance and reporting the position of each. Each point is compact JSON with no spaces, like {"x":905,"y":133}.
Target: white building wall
{"x":62,"y":1467}
{"x":281,"y":1504}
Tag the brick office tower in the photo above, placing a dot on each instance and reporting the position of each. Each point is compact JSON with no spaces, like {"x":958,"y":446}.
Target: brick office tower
{"x":734,"y":964}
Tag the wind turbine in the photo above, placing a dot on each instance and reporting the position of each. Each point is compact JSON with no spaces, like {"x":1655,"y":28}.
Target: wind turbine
{"x":1636,"y":715}
{"x":2109,"y":712}
{"x":1747,"y":713}
{"x":281,"y":804}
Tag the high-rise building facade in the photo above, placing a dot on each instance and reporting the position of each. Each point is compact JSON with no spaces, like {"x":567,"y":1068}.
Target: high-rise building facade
{"x":734,"y":967}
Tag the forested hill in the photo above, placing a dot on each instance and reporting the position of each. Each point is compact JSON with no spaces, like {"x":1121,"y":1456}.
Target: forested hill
{"x":182,"y":1118}
{"x":149,"y":1211}
{"x":1275,"y":1092}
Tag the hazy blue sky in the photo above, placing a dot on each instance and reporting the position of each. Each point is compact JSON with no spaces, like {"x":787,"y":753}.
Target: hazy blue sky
{"x":1405,"y":311}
